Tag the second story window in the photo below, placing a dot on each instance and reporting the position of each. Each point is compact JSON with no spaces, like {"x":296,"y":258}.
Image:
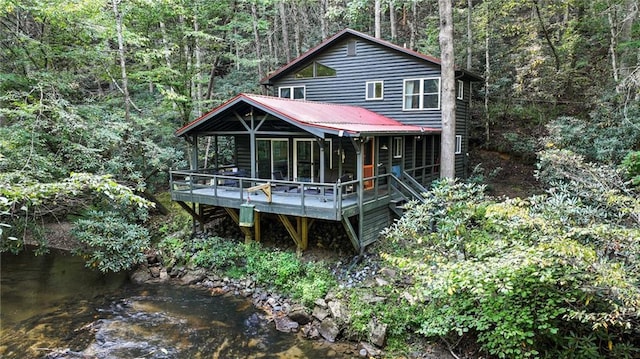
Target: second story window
{"x":460,"y":90}
{"x":421,"y":94}
{"x":375,"y":90}
{"x":292,"y":92}
{"x":315,"y":69}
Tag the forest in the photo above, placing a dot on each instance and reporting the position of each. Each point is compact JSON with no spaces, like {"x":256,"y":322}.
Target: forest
{"x":91,"y":93}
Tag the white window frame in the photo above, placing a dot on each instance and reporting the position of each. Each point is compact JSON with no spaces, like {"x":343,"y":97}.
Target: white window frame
{"x":291,"y":92}
{"x":397,"y":147}
{"x":458,"y":144}
{"x":460,"y":90}
{"x":271,"y":140}
{"x":421,"y":93}
{"x":368,"y":96}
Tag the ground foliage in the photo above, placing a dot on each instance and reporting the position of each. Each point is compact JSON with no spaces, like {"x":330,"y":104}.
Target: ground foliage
{"x":282,"y":271}
{"x":553,"y":275}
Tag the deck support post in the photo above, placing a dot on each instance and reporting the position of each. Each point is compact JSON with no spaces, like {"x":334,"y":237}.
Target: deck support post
{"x":299,"y":233}
{"x":248,"y":236}
{"x":256,"y":226}
{"x":351,"y":233}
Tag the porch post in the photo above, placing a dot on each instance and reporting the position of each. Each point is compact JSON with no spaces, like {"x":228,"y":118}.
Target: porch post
{"x":360,"y":173}
{"x":194,"y":152}
{"x":321,"y":145}
{"x":252,"y":146}
{"x":216,"y":162}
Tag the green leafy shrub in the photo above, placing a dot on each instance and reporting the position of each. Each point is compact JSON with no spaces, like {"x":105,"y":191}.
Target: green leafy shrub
{"x":111,"y":242}
{"x":631,"y":166}
{"x":527,"y":278}
{"x":605,"y":136}
{"x":314,"y":282}
{"x":215,"y":253}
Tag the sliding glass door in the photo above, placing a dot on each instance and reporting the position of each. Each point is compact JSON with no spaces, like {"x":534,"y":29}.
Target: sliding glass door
{"x":273,"y":156}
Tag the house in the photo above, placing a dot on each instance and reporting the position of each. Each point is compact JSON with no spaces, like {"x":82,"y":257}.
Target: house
{"x":349,"y":131}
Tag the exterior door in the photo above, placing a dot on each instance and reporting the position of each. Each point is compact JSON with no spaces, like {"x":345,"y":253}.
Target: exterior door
{"x":305,"y":158}
{"x":273,"y":156}
{"x":368,"y":162}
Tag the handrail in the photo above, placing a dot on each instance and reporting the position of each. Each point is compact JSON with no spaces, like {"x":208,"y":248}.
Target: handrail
{"x":413,"y":181}
{"x":417,"y":196}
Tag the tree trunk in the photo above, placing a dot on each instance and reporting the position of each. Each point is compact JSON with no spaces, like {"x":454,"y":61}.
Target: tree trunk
{"x":296,"y":29}
{"x":212,"y":78}
{"x":413,"y":25}
{"x":376,"y":12}
{"x":448,"y":143}
{"x":256,"y":39}
{"x":123,"y":62}
{"x":324,"y":27}
{"x":285,"y":30}
{"x":469,"y":35}
{"x":547,"y":36}
{"x":487,"y":75}
{"x":198,"y":74}
{"x":392,"y":20}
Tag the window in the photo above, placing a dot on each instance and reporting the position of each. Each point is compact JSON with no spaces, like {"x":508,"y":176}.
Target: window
{"x":460,"y":90}
{"x":292,"y":92}
{"x":375,"y":90}
{"x":421,"y":94}
{"x":458,"y":144}
{"x":315,"y":69}
{"x":351,"y":48}
{"x":272,"y":156}
{"x":397,"y":147}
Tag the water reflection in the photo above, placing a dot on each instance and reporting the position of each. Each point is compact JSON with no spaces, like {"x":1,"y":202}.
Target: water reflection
{"x":53,"y":307}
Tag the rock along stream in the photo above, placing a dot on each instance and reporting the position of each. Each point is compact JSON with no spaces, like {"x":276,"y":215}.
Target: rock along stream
{"x":51,"y":306}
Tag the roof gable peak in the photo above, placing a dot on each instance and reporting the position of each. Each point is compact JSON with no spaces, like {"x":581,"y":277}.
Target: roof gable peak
{"x":347,"y":32}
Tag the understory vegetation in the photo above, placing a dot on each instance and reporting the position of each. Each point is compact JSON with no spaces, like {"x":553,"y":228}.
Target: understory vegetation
{"x":91,"y":93}
{"x":282,"y":271}
{"x":553,"y":275}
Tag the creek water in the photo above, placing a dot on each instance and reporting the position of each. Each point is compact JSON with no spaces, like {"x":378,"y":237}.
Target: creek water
{"x":51,"y":306}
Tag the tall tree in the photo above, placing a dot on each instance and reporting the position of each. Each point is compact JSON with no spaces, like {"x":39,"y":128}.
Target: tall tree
{"x":377,"y":16}
{"x":448,"y":142}
{"x":123,"y":61}
{"x":285,"y":30}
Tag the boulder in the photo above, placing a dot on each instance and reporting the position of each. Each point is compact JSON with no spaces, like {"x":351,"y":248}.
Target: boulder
{"x":310,"y":331}
{"x":286,"y":325}
{"x":164,"y":276}
{"x":338,"y":311}
{"x":320,"y":313}
{"x":299,"y":314}
{"x":140,"y":275}
{"x":193,"y":276}
{"x":377,"y":333}
{"x":155,"y":271}
{"x":329,"y":330}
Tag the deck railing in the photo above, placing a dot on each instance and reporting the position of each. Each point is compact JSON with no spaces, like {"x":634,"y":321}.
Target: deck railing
{"x":308,"y":196}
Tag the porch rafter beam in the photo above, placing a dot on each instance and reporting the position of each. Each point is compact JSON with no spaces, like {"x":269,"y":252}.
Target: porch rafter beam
{"x":242,"y":121}
{"x":228,"y":133}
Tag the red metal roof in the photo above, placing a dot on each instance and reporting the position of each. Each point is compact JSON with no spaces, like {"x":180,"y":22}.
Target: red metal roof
{"x":349,"y":32}
{"x":315,"y":117}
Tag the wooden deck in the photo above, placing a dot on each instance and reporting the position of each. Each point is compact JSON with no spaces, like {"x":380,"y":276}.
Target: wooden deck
{"x":329,"y":201}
